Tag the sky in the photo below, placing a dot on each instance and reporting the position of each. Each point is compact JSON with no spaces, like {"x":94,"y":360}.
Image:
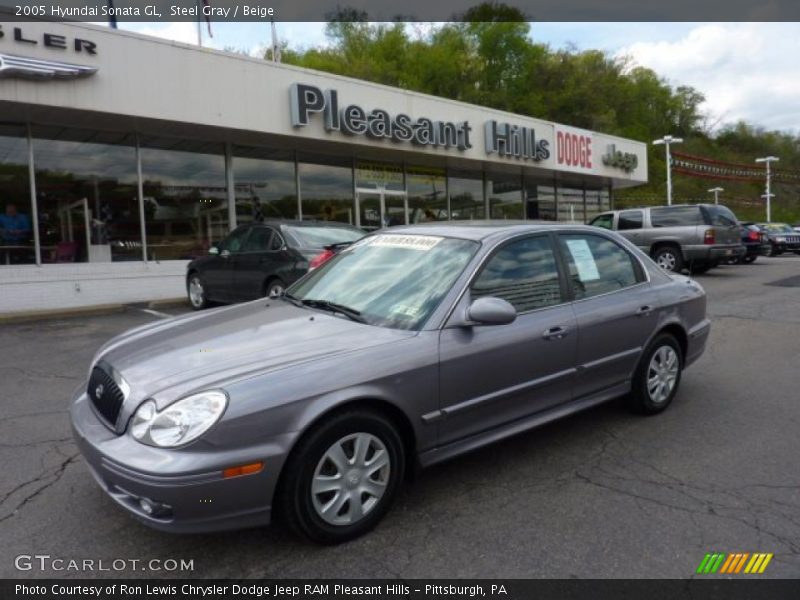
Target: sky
{"x":747,"y":71}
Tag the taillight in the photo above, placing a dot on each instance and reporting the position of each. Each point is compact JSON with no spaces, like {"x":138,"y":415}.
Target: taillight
{"x":320,"y":259}
{"x":753,"y":235}
{"x":710,"y":237}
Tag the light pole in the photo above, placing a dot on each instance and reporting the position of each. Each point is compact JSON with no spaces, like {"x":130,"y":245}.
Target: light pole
{"x":768,"y":195}
{"x":716,"y":192}
{"x":667,"y":140}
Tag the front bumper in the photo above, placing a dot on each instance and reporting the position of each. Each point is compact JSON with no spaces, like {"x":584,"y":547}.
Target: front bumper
{"x":189,"y":482}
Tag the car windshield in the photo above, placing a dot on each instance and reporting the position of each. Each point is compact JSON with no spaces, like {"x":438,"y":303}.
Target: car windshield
{"x":321,"y":236}
{"x":391,"y":280}
{"x":776,"y":227}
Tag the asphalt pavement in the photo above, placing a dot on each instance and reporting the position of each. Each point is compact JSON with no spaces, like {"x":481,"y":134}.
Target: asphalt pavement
{"x":600,"y":494}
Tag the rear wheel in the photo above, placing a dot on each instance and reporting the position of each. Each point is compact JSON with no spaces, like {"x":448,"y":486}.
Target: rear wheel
{"x":195,"y":287}
{"x":669,"y":258}
{"x":274,"y":288}
{"x":342,"y":477}
{"x":658,"y":376}
{"x":748,"y":259}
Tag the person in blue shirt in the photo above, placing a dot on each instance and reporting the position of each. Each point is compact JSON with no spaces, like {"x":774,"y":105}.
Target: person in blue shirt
{"x":15,"y":226}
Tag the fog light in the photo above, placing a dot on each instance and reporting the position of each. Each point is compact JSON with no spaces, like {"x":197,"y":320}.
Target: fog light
{"x":147,"y":506}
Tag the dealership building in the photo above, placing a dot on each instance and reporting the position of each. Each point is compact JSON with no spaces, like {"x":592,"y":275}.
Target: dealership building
{"x":123,"y":156}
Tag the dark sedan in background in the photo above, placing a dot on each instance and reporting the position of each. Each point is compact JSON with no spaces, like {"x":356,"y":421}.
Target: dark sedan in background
{"x":781,"y":238}
{"x":260,"y":259}
{"x":755,"y":243}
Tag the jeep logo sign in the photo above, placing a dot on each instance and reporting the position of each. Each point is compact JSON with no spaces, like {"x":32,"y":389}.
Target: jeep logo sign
{"x":627,"y":161}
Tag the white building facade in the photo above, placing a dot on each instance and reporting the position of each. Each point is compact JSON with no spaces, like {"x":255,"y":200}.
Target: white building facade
{"x":124,"y":156}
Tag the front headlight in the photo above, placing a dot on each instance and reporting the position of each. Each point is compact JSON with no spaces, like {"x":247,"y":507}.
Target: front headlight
{"x":180,"y":422}
{"x":780,"y":240}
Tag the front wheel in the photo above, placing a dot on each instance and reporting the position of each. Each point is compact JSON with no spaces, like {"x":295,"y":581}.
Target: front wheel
{"x":657,"y":377}
{"x":196,"y":289}
{"x":342,"y":477}
{"x":669,"y":258}
{"x":773,"y":250}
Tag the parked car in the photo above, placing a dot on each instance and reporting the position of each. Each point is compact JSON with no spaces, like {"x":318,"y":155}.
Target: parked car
{"x":696,"y":236}
{"x":754,"y":242}
{"x":408,"y":348}
{"x":781,"y":237}
{"x":260,"y":259}
{"x":796,"y":227}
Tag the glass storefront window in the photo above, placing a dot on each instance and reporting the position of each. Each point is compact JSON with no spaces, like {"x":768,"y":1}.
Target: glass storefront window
{"x":570,"y":205}
{"x":377,"y":175}
{"x":16,"y":216}
{"x":185,"y":199}
{"x":605,"y":200}
{"x":427,"y":194}
{"x":593,"y":204}
{"x":265,"y":185}
{"x":505,"y":197}
{"x":87,"y":197}
{"x":540,"y":201}
{"x":326,"y":191}
{"x":466,"y":196}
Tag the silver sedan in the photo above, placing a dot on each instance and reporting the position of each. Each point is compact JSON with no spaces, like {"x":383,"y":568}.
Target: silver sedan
{"x":412,"y":346}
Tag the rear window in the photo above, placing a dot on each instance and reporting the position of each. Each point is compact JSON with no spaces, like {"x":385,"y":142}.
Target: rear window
{"x":720,"y":215}
{"x":319,"y":237}
{"x":675,"y":216}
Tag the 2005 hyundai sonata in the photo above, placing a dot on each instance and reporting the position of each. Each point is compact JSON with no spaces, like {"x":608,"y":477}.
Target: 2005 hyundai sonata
{"x":410,"y":347}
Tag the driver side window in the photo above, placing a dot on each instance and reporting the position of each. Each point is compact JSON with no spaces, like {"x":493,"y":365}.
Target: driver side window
{"x":524,"y":273}
{"x":234,"y":242}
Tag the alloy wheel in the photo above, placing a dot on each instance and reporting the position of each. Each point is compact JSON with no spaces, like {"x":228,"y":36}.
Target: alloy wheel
{"x":196,"y":292}
{"x":666,"y":260}
{"x":350,"y":479}
{"x":662,"y":374}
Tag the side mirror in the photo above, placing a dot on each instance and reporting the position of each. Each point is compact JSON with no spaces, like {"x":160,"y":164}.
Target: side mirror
{"x":213,"y":250}
{"x":491,"y":311}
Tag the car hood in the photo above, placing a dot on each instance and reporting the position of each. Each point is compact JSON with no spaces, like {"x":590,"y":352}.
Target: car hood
{"x":210,"y":348}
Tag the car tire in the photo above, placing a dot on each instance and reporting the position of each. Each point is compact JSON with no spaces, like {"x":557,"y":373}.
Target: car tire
{"x":773,"y":251}
{"x":749,"y":259}
{"x":330,"y":503}
{"x":661,"y":364}
{"x":274,"y":287}
{"x":669,"y":258}
{"x":197,"y":291}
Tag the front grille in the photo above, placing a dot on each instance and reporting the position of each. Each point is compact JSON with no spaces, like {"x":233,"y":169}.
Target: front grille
{"x":105,"y":394}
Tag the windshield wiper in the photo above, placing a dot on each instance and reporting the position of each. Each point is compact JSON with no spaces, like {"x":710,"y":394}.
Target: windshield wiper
{"x":292,"y":299}
{"x":350,"y":313}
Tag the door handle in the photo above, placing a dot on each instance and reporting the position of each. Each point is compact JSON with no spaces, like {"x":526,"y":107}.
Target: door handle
{"x":643,"y":311}
{"x":555,"y":333}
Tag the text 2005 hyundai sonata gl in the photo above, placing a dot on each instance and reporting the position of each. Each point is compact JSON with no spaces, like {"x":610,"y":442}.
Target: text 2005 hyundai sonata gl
{"x":411,"y":346}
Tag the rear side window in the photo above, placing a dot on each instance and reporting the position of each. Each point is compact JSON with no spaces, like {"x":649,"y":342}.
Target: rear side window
{"x":524,"y":273}
{"x":604,"y":221}
{"x":597,"y":265}
{"x":720,"y":215}
{"x":629,"y":219}
{"x":675,"y":216}
{"x":258,"y":240}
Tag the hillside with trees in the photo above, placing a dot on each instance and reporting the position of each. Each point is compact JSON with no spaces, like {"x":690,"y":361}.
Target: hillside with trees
{"x":490,"y":58}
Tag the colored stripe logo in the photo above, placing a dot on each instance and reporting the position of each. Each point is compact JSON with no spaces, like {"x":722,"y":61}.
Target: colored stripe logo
{"x":741,"y":562}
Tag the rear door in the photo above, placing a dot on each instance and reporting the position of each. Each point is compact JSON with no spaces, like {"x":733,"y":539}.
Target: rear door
{"x":259,"y":261}
{"x":493,"y":374}
{"x":629,"y":225}
{"x":614,"y":307}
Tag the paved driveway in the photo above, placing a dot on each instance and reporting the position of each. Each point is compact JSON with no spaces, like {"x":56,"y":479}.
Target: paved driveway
{"x":600,"y":494}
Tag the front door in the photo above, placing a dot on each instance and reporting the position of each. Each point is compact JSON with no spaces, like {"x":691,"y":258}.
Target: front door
{"x":260,"y":260}
{"x":219,"y":272}
{"x":491,"y":375}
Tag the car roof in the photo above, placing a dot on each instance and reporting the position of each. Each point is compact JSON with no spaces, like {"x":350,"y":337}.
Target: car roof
{"x":481,"y":230}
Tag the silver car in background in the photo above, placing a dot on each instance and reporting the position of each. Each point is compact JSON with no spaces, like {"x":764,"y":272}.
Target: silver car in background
{"x":410,"y":347}
{"x":695,"y":236}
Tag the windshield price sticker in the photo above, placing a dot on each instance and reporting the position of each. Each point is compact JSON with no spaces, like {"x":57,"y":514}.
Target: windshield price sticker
{"x":414,"y":242}
{"x":584,"y":260}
